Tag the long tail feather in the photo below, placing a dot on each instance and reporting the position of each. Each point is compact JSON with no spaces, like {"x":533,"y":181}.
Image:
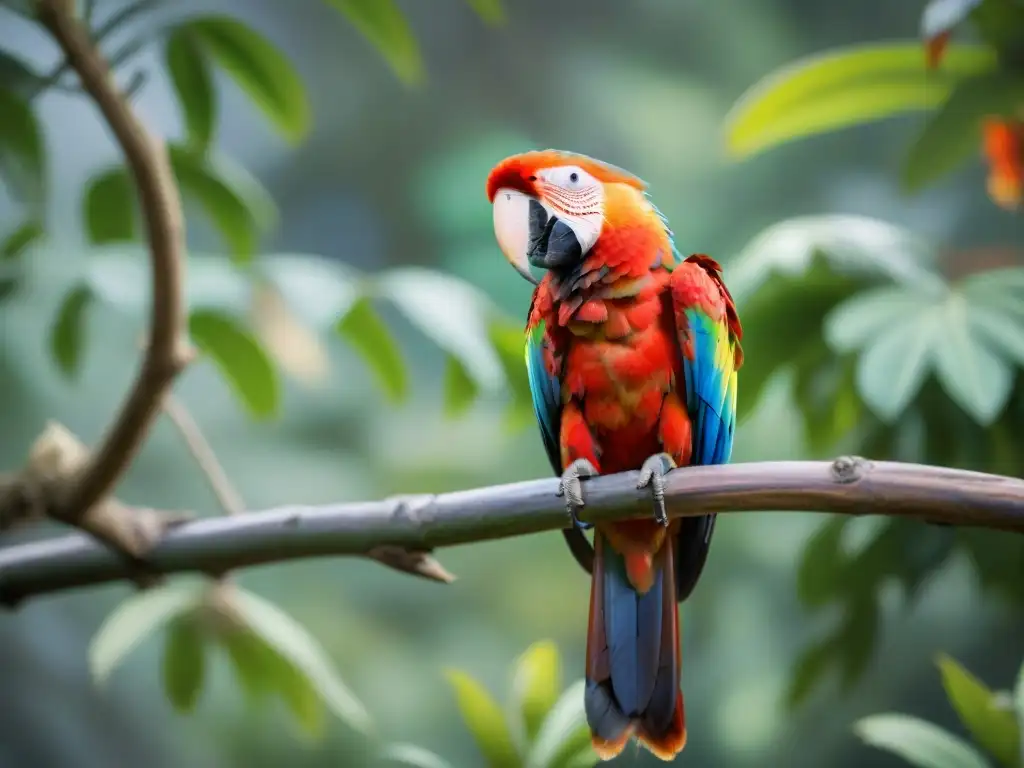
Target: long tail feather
{"x":633,"y":658}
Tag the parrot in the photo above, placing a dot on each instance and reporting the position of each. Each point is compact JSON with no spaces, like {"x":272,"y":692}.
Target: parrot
{"x":632,"y":354}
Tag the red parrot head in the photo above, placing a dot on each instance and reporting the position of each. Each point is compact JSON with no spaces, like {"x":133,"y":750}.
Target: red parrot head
{"x":550,"y":207}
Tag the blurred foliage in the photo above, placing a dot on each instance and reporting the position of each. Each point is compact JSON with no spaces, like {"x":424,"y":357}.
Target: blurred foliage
{"x":992,"y":719}
{"x":973,"y":89}
{"x":888,"y":359}
{"x":545,"y":727}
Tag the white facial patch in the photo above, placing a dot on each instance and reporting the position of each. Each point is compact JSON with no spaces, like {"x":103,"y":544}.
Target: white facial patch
{"x":575,"y":197}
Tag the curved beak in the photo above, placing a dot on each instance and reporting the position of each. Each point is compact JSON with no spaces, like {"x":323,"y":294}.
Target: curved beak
{"x":512,"y":228}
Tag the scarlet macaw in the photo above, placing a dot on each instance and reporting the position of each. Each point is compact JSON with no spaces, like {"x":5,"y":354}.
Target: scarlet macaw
{"x":632,"y":354}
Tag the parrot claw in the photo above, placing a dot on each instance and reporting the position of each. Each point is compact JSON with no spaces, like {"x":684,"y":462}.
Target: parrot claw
{"x":652,"y":474}
{"x":572,"y":489}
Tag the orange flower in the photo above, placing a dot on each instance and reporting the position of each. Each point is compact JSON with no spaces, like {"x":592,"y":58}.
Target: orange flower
{"x":1004,"y":149}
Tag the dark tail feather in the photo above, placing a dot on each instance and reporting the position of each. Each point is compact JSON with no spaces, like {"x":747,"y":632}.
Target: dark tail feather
{"x":633,"y":658}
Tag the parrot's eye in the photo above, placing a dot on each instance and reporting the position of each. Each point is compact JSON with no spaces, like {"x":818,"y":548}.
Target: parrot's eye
{"x":574,"y":177}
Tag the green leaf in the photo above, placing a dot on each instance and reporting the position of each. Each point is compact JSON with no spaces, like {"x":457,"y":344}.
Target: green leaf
{"x":564,"y":738}
{"x":845,"y":87}
{"x":363,"y":329}
{"x":68,"y":330}
{"x":17,"y":77}
{"x":891,"y":370}
{"x":452,"y":313}
{"x":184,"y":664}
{"x":509,"y":342}
{"x":135,"y":618}
{"x":976,"y":378}
{"x":484,"y":719}
{"x":992,"y":728}
{"x":226,"y":205}
{"x":810,"y":667}
{"x":460,"y":390}
{"x":193,"y":84}
{"x":535,"y":685}
{"x":919,"y":742}
{"x":954,"y":134}
{"x":382,"y":23}
{"x":253,"y":661}
{"x":869,"y":314}
{"x":18,"y":241}
{"x":21,"y":150}
{"x":240,"y":358}
{"x":410,"y":754}
{"x":316,"y":289}
{"x":821,"y":563}
{"x":259,"y":68}
{"x":293,"y":643}
{"x":109,"y":207}
{"x":491,"y":11}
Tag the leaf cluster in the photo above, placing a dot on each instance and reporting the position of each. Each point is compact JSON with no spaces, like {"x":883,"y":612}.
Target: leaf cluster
{"x":886,"y":358}
{"x":961,"y":84}
{"x":544,"y":727}
{"x":992,"y":718}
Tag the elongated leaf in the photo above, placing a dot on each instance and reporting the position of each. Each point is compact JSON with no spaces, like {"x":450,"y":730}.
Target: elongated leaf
{"x":999,"y":330}
{"x":510,"y":343}
{"x":920,"y":743}
{"x":259,"y":68}
{"x":891,"y":370}
{"x":67,"y":335}
{"x":239,"y":357}
{"x":135,"y":618}
{"x":382,"y":23}
{"x":294,"y":643}
{"x":452,"y":313}
{"x":367,"y":334}
{"x":109,"y":207}
{"x":318,"y":290}
{"x":976,"y":378}
{"x":18,"y":77}
{"x":184,"y":663}
{"x":564,"y":737}
{"x":993,"y":728}
{"x":18,"y":241}
{"x":409,"y":754}
{"x":460,"y":391}
{"x":491,"y":11}
{"x":867,"y":314}
{"x":954,"y":134}
{"x":535,"y":685}
{"x":252,"y":660}
{"x":845,"y":87}
{"x":22,"y":164}
{"x":484,"y":719}
{"x":226,"y":207}
{"x":193,"y":84}
{"x":821,"y":563}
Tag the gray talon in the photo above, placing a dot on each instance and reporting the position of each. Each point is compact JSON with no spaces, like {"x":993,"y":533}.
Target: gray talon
{"x":652,"y":474}
{"x":572,"y":489}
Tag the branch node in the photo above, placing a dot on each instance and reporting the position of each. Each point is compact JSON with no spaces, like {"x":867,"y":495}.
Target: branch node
{"x":415,"y":562}
{"x":412,"y":509}
{"x":850,"y":469}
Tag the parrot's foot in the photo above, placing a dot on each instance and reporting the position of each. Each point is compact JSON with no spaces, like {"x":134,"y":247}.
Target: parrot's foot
{"x":652,"y":474}
{"x":571,"y":488}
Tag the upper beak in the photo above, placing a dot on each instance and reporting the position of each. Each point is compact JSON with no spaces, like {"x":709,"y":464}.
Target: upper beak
{"x":512,"y":228}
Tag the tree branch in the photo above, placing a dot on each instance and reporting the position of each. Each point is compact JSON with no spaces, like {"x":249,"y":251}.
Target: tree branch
{"x":167,"y":352}
{"x":847,"y":485}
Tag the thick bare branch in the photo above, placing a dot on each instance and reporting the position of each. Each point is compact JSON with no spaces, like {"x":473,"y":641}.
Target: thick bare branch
{"x":167,"y":351}
{"x":848,"y":485}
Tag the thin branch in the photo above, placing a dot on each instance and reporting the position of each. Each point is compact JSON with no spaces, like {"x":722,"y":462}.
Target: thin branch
{"x":229,"y":499}
{"x":167,"y":352}
{"x":848,"y":486}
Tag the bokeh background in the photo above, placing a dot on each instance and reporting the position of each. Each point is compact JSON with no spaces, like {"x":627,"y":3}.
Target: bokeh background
{"x":394,"y":176}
